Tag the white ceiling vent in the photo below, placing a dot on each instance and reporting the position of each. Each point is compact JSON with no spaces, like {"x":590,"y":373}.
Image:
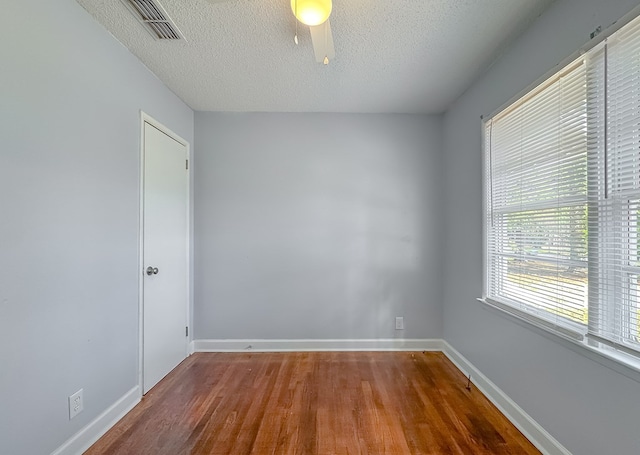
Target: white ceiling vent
{"x":155,"y":19}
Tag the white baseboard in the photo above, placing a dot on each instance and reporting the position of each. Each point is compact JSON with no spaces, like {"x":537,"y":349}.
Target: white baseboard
{"x":83,"y":439}
{"x":384,"y":344}
{"x":538,"y":436}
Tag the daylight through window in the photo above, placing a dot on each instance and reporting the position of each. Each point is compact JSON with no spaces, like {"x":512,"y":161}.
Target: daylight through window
{"x":562,"y":180}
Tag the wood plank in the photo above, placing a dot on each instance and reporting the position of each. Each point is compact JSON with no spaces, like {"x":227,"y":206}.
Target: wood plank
{"x":314,"y":403}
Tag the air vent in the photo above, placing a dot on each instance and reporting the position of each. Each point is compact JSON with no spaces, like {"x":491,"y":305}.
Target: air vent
{"x":155,"y":19}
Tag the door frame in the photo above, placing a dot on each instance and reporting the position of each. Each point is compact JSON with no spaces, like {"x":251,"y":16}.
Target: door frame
{"x":146,"y":118}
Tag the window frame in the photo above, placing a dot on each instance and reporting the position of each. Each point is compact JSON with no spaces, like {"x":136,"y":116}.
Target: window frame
{"x":573,"y":336}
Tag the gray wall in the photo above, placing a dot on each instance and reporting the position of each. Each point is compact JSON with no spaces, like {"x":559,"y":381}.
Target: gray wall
{"x":317,"y":226}
{"x":69,"y":165}
{"x":589,"y":408}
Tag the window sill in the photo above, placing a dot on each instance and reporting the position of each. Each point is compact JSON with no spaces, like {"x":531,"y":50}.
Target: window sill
{"x":618,"y":361}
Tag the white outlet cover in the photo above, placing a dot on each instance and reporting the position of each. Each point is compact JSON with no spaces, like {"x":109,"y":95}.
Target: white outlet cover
{"x":399,"y":323}
{"x":76,"y":404}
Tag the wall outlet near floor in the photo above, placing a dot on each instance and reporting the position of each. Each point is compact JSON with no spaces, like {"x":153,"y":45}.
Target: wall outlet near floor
{"x":399,"y":323}
{"x":75,"y":404}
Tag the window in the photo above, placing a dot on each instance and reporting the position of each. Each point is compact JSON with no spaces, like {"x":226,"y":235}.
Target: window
{"x":562,"y":178}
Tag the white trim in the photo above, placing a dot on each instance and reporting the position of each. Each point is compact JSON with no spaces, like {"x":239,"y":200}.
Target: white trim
{"x":531,"y":429}
{"x":146,"y":118}
{"x":382,"y":344}
{"x":485,"y":203}
{"x":614,"y":345}
{"x":88,"y":435}
{"x":140,"y":251}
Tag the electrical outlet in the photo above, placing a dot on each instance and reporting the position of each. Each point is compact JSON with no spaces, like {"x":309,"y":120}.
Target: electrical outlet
{"x":75,"y":404}
{"x":399,"y":323}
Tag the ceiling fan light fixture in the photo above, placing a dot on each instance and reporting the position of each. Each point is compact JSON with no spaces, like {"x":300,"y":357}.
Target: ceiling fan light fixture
{"x":311,"y":12}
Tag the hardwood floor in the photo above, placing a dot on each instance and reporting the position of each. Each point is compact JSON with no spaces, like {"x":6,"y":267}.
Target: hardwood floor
{"x":314,"y":403}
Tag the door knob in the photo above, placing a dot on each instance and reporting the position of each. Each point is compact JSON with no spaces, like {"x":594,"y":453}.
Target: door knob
{"x":152,"y":270}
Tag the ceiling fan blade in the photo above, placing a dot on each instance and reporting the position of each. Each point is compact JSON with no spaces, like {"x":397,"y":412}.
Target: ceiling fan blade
{"x":322,"y":40}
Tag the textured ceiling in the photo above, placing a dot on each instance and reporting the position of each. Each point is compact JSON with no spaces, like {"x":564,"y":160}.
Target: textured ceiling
{"x":408,"y":56}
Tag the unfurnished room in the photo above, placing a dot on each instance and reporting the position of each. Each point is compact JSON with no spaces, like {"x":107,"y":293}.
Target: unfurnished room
{"x":320,"y":227}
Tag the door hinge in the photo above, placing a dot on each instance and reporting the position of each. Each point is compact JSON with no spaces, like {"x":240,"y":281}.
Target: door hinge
{"x":187,"y":164}
{"x":186,"y":331}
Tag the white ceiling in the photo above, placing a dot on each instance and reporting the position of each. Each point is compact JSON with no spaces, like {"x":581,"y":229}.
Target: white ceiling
{"x":408,"y":56}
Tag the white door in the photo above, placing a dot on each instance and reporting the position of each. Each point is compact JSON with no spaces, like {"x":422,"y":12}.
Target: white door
{"x":165,"y":252}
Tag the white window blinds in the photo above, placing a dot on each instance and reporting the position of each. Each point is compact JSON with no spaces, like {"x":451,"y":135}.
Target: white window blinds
{"x":537,"y":201}
{"x":614,"y":195}
{"x":563,"y":198}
